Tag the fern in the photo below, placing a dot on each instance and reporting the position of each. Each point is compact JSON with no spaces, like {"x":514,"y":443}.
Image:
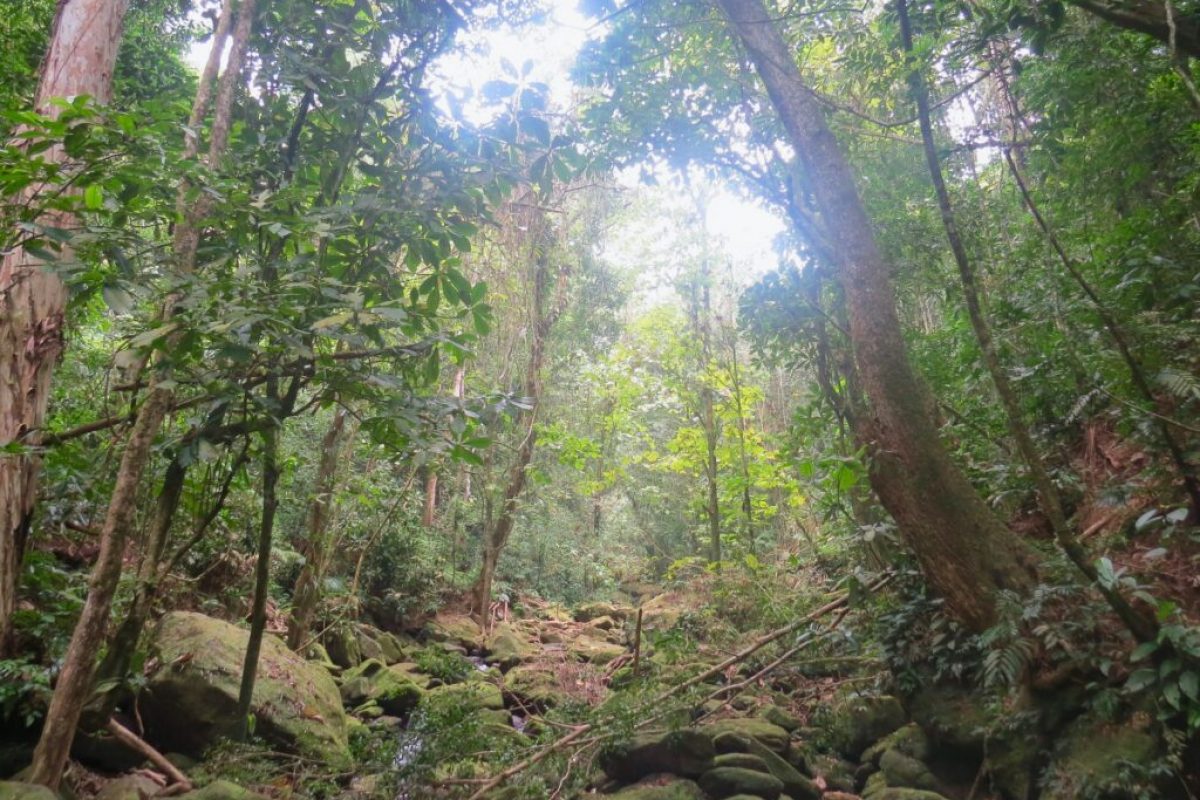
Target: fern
{"x":1179,"y":383}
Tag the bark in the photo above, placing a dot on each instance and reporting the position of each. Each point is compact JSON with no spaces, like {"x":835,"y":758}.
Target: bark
{"x":429,"y":513}
{"x":76,"y":677}
{"x":80,"y":60}
{"x":1049,"y":499}
{"x":966,"y":554}
{"x":316,"y":546}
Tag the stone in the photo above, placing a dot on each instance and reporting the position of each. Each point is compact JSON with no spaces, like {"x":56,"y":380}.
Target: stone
{"x":660,"y":787}
{"x":605,"y":623}
{"x":773,"y":736}
{"x":725,"y":782}
{"x":685,"y":752}
{"x":508,"y":648}
{"x":593,"y":611}
{"x":781,"y":717}
{"x":954,"y":718}
{"x":393,"y":649}
{"x":858,"y":722}
{"x":190,"y":700}
{"x":368,"y":646}
{"x":744,"y":760}
{"x":1096,"y":758}
{"x":454,"y":629}
{"x":317,"y":652}
{"x":895,"y":793}
{"x":476,"y":694}
{"x":129,"y":787}
{"x":392,"y":690}
{"x":533,"y":687}
{"x":341,"y":645}
{"x":16,"y":790}
{"x":795,"y":784}
{"x":662,"y":612}
{"x":221,"y":790}
{"x":837,"y":773}
{"x":594,"y":651}
{"x":904,"y":771}
{"x":909,"y":740}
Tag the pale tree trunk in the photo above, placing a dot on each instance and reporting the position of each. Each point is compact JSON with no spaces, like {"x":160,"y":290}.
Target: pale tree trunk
{"x":429,"y":513}
{"x":495,"y":537}
{"x":80,"y":61}
{"x":74,"y":684}
{"x":1049,"y":499}
{"x":316,"y":546}
{"x":965,"y":552}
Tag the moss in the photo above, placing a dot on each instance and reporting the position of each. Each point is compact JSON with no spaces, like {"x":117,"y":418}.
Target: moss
{"x":15,"y":790}
{"x":773,"y":736}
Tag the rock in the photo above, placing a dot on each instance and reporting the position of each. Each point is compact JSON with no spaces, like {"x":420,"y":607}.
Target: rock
{"x":605,"y":623}
{"x":393,"y":649}
{"x":909,"y":740}
{"x":191,"y":699}
{"x":129,"y":787}
{"x":412,"y":672}
{"x":892,"y":793}
{"x":904,"y":771}
{"x":725,"y":782}
{"x":778,"y":716}
{"x":662,"y":612}
{"x":594,"y":651}
{"x":476,"y":694}
{"x":954,"y":718}
{"x":840,"y":795}
{"x":101,"y":751}
{"x":731,"y":742}
{"x":372,"y":681}
{"x":685,"y":752}
{"x":860,"y":721}
{"x":317,"y":652}
{"x":507,"y":647}
{"x":795,"y":784}
{"x":773,"y":736}
{"x":837,"y":774}
{"x":744,"y":760}
{"x":534,"y":687}
{"x":589,"y":612}
{"x":660,"y":787}
{"x":341,"y":645}
{"x":221,"y":790}
{"x":368,"y":645}
{"x":455,"y":629}
{"x":1096,"y":758}
{"x":15,"y":790}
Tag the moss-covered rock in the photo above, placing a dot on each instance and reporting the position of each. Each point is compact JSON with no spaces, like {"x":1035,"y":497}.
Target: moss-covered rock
{"x":660,"y":787}
{"x":191,"y":699}
{"x":954,"y":718}
{"x":455,"y":629}
{"x":857,"y":722}
{"x":662,"y":612}
{"x":773,"y":736}
{"x":129,"y":787}
{"x":1097,"y":758}
{"x":341,"y":645}
{"x":589,"y":612}
{"x":724,"y":782}
{"x":507,"y":647}
{"x":837,"y":773}
{"x":221,"y":790}
{"x":373,"y":681}
{"x":895,"y":793}
{"x":744,"y":760}
{"x":909,"y":740}
{"x":15,"y":790}
{"x":476,"y":694}
{"x":686,"y":752}
{"x":394,"y":650}
{"x":781,"y":717}
{"x":735,"y":746}
{"x":594,"y":651}
{"x":902,"y":770}
{"x":533,"y":687}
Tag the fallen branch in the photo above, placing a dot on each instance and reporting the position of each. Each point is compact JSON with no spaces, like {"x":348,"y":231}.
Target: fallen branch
{"x":141,"y":747}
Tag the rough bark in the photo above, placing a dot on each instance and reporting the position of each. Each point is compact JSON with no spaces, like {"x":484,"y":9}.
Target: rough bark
{"x":966,"y":554}
{"x":429,"y":512}
{"x":316,"y":546}
{"x":80,"y":60}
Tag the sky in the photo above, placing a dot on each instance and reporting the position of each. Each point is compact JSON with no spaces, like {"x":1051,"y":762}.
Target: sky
{"x":744,"y":228}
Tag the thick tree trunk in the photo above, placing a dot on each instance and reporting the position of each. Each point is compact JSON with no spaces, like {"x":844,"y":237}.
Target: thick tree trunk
{"x":1162,"y":20}
{"x":966,"y":554}
{"x":83,"y":51}
{"x":316,"y":547}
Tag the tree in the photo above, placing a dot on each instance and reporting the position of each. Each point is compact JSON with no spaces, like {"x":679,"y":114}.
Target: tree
{"x":85,"y":38}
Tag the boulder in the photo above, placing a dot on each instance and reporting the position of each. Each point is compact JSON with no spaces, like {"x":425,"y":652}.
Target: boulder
{"x":190,"y":700}
{"x":738,"y":747}
{"x":662,"y":612}
{"x":781,"y":717}
{"x":858,"y":722}
{"x":725,"y":782}
{"x":476,"y":694}
{"x":593,"y":611}
{"x":1097,"y":758}
{"x":685,"y":752}
{"x":393,"y":649}
{"x":15,"y":790}
{"x":773,"y":736}
{"x":744,"y":760}
{"x":660,"y":787}
{"x":533,"y":687}
{"x":835,"y":772}
{"x":605,"y":623}
{"x":594,"y":651}
{"x":507,"y":647}
{"x":372,"y":681}
{"x":954,"y":718}
{"x":221,"y":790}
{"x":368,"y":645}
{"x":129,"y":787}
{"x":454,"y":629}
{"x":341,"y":645}
{"x":893,"y":793}
{"x":909,"y":740}
{"x":902,"y":770}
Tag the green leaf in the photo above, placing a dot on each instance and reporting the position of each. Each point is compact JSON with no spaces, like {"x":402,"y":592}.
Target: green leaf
{"x":117,"y":299}
{"x":93,"y":197}
{"x":1141,"y":679}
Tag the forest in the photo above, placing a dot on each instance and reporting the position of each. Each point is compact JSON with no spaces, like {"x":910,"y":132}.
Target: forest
{"x":644,"y":399}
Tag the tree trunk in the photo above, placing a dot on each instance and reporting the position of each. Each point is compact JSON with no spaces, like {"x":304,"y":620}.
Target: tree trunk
{"x":316,"y":547}
{"x":80,"y":60}
{"x":966,"y":554}
{"x":1142,"y":627}
{"x":429,"y":514}
{"x":1180,"y":32}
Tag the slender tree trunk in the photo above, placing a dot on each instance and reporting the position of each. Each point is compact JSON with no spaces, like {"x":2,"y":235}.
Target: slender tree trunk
{"x":75,"y":679}
{"x":966,"y":554}
{"x":429,"y":513}
{"x":80,"y":61}
{"x":316,"y":547}
{"x":747,"y":500}
{"x":1141,"y":626}
{"x":262,"y":574}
